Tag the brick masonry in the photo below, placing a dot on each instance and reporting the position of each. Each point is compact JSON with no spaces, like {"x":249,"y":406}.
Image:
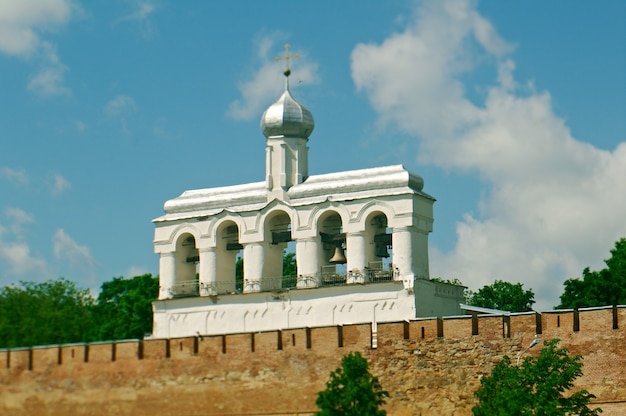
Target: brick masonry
{"x":429,"y":366}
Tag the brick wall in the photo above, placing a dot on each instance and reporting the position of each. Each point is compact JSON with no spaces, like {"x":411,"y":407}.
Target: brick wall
{"x":429,"y":366}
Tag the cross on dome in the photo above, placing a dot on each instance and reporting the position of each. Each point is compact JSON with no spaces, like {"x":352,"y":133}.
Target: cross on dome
{"x":286,"y":58}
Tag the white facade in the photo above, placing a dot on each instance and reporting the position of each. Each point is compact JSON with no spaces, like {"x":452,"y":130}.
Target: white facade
{"x":379,"y":218}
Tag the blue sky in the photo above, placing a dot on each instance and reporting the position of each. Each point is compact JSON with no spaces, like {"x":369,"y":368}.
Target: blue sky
{"x":513,"y":112}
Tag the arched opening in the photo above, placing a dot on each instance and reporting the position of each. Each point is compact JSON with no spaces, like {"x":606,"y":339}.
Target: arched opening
{"x":279,"y":266}
{"x":379,"y":248}
{"x":333,"y":259}
{"x":187,"y":259}
{"x":228,"y":250}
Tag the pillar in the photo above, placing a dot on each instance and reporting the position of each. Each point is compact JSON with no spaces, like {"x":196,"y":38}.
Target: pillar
{"x":253,"y":257}
{"x":308,"y":261}
{"x":167,"y":274}
{"x":209,"y":285}
{"x":356,"y":256}
{"x":410,"y":252}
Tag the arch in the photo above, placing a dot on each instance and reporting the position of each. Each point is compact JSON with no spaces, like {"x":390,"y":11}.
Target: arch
{"x":228,"y":252}
{"x":184,"y":229}
{"x":277,"y":227}
{"x":186,"y":259}
{"x":221,"y":218}
{"x":379,"y":246}
{"x":330,"y":226}
{"x":375,"y":206}
{"x":318,"y":213}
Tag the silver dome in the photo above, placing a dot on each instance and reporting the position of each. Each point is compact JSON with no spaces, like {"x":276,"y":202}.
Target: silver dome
{"x":288,"y":118}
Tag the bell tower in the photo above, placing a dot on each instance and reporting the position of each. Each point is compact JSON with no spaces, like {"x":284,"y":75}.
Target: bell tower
{"x":286,"y":125}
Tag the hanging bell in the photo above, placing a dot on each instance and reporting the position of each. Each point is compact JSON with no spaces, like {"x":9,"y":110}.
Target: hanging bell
{"x":338,"y":257}
{"x":381,"y":250}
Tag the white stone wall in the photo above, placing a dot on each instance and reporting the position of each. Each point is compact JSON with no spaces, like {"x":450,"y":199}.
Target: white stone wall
{"x":382,"y":302}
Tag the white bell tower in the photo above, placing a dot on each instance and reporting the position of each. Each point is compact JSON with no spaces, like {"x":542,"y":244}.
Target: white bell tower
{"x":286,"y":124}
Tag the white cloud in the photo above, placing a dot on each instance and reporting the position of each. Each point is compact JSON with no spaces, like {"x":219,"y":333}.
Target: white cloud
{"x":17,"y":176}
{"x":140,"y":15}
{"x":49,"y":82}
{"x":120,"y":105}
{"x":119,"y":108}
{"x":21,"y":26}
{"x":553,"y":204}
{"x":19,"y":216}
{"x":65,"y":248}
{"x":21,"y":21}
{"x":267,"y":82}
{"x":57,"y":183}
{"x":15,"y":253}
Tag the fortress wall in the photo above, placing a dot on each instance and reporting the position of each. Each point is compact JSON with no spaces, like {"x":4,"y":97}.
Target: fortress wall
{"x":18,"y":360}
{"x":423,"y":329}
{"x":491,"y":327}
{"x":523,"y":324}
{"x":457,"y":327}
{"x":154,"y":349}
{"x":45,"y":357}
{"x":129,"y":350}
{"x":281,"y":371}
{"x":557,"y":322}
{"x":295,"y":340}
{"x":388,"y":332}
{"x":357,"y":337}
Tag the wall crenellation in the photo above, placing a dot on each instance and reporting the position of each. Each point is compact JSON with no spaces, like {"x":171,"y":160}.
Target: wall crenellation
{"x":325,"y":339}
{"x":429,"y":366}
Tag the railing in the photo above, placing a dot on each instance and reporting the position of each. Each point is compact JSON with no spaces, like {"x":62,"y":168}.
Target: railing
{"x":327,"y":278}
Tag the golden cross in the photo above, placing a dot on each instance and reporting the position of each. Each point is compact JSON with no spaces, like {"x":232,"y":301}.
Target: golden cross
{"x":287,"y":57}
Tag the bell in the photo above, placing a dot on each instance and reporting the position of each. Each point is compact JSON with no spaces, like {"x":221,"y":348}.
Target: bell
{"x":338,"y":257}
{"x":381,"y":250}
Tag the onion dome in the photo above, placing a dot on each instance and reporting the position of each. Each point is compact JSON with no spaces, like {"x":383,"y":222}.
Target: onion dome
{"x":287,"y":118}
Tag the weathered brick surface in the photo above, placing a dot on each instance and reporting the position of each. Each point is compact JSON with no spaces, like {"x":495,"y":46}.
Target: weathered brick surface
{"x":424,"y":376}
{"x":455,"y":328}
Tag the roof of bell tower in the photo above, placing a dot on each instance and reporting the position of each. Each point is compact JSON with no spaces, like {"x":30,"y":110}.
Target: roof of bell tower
{"x":287,"y":117}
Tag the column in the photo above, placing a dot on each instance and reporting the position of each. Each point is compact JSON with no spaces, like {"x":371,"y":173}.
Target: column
{"x":253,"y":256}
{"x":167,"y":275}
{"x":308,"y":261}
{"x":209,"y":285}
{"x":402,"y":243}
{"x":356,"y":256}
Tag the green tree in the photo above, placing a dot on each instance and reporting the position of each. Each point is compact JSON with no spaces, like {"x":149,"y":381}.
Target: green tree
{"x":52,"y":312}
{"x":536,"y":387}
{"x":351,"y":390}
{"x":599,"y":288}
{"x":504,"y":296}
{"x":289,"y":264}
{"x":124,"y":307}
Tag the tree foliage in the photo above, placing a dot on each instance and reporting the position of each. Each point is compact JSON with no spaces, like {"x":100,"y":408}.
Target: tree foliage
{"x":536,"y":387}
{"x":503,"y":296}
{"x":52,"y":312}
{"x":57,"y":312}
{"x":599,"y":288}
{"x":124,"y":307}
{"x":351,"y":390}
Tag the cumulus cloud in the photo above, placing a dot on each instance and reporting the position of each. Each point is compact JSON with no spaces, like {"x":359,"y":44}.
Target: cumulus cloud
{"x":21,"y":23}
{"x":65,"y":248}
{"x":266,"y":84}
{"x":16,"y":257}
{"x":17,"y":176}
{"x":120,"y":105}
{"x":21,"y":26}
{"x":119,"y":108}
{"x":551,"y":205}
{"x":57,"y":183}
{"x":141,"y":13}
